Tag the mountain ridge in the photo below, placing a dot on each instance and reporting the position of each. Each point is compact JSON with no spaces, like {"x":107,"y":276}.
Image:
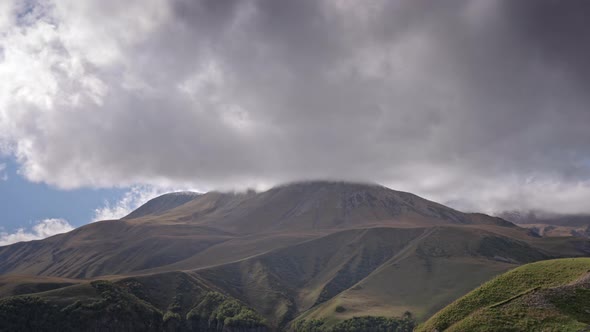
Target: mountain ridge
{"x":162,"y":204}
{"x":290,"y":203}
{"x":297,"y":254}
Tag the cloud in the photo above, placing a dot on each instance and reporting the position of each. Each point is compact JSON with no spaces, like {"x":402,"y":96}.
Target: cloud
{"x":3,"y":174}
{"x":471,"y":102}
{"x":42,"y":229}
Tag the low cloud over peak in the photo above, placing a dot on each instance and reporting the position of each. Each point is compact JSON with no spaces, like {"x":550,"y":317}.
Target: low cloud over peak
{"x":477,"y":103}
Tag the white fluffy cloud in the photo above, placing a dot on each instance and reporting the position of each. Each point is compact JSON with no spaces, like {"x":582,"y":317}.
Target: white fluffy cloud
{"x":467,"y":102}
{"x":42,"y":229}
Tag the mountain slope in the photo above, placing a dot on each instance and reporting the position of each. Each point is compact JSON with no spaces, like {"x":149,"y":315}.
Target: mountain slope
{"x":295,"y":255}
{"x":551,"y":225}
{"x":532,"y":217}
{"x":179,"y":228}
{"x":551,"y":295}
{"x":376,"y":271}
{"x":297,"y":277}
{"x":163,"y":302}
{"x":162,"y":204}
{"x":108,"y":247}
{"x":433,"y":270}
{"x":423,"y":277}
{"x":316,"y":206}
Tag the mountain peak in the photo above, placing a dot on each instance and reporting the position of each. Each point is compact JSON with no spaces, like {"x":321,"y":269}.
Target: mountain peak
{"x":328,"y":184}
{"x":163,"y":203}
{"x":304,"y":206}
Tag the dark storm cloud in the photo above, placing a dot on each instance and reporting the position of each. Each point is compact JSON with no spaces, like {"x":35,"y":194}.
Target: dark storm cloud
{"x":482,"y":103}
{"x":556,"y":31}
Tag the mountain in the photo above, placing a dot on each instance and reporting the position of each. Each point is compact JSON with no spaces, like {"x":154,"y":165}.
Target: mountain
{"x":313,"y":206}
{"x":162,"y":204}
{"x":538,"y":217}
{"x":552,"y":295}
{"x":206,"y":228}
{"x":551,"y":224}
{"x":166,"y":302}
{"x":302,"y":256}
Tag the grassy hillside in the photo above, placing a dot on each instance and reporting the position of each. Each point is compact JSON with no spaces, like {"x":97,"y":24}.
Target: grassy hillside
{"x":377,"y":272}
{"x":165,"y":302}
{"x":374,"y":272}
{"x":303,"y":253}
{"x":422,"y":278}
{"x":107,"y":248}
{"x":11,"y":285}
{"x":552,"y":295}
{"x":406,"y":323}
{"x":282,"y":283}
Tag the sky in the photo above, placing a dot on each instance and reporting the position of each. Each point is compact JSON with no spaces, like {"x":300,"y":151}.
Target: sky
{"x":30,"y":211}
{"x":479,"y":104}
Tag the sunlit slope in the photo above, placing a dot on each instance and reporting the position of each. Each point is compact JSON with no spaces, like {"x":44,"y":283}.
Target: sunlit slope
{"x":316,"y":205}
{"x":552,"y":295}
{"x":108,"y":247}
{"x":163,"y":203}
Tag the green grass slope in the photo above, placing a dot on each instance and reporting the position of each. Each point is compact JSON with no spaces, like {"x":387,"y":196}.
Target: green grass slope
{"x":284,"y":282}
{"x":173,"y":301}
{"x":423,"y":277}
{"x":12,"y":285}
{"x":375,"y":272}
{"x":552,"y":295}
